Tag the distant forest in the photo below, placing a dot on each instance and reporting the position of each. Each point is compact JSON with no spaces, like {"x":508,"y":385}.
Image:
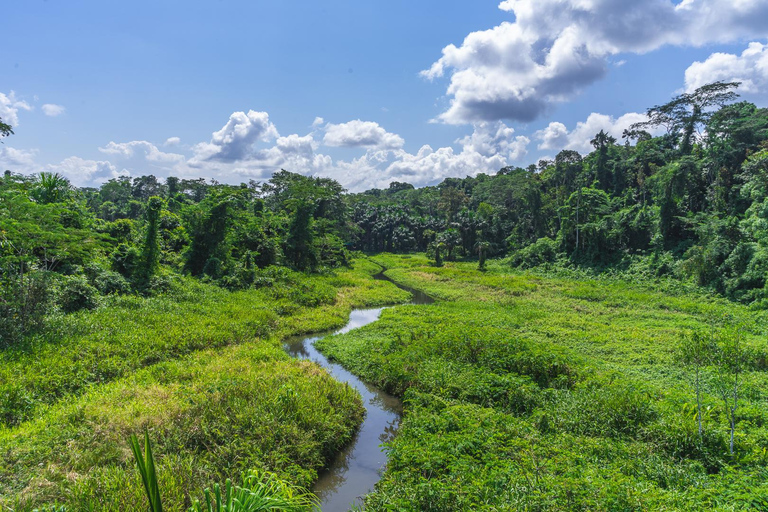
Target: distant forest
{"x":689,"y":204}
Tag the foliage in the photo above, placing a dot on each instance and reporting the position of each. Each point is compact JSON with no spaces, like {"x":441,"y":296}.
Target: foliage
{"x":77,"y":294}
{"x":202,"y":370}
{"x":259,"y":492}
{"x":541,"y":252}
{"x":535,"y":391}
{"x":146,"y":465}
{"x":5,"y":129}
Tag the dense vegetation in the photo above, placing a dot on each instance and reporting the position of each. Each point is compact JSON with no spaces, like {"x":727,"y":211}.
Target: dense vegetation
{"x":689,"y":204}
{"x":149,"y":305}
{"x":534,"y":392}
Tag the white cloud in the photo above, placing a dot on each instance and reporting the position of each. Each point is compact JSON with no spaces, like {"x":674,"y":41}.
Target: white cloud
{"x":555,"y":48}
{"x":557,"y":137}
{"x":53,"y":110}
{"x":17,"y":160}
{"x":141,"y":147}
{"x":82,"y":172}
{"x":236,"y":140}
{"x":488,"y":148}
{"x":490,"y":139}
{"x":10,"y":106}
{"x":172,"y":141}
{"x":750,"y":68}
{"x":361,"y":134}
{"x":554,"y":136}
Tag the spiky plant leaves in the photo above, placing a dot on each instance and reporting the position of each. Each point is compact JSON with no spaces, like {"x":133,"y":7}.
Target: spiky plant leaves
{"x":259,"y":492}
{"x":146,"y":464}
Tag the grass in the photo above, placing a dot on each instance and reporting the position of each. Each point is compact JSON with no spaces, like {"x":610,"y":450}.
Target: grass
{"x":202,"y":371}
{"x":532,"y":392}
{"x":89,"y":348}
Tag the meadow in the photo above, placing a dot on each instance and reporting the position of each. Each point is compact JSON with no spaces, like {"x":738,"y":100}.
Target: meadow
{"x":528,"y":391}
{"x":201,"y":369}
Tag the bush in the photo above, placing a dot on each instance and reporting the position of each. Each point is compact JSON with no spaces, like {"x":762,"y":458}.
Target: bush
{"x":105,"y":281}
{"x":542,"y":251}
{"x":76,"y":294}
{"x":23,"y":304}
{"x":213,"y":268}
{"x":125,"y":260}
{"x":109,"y":283}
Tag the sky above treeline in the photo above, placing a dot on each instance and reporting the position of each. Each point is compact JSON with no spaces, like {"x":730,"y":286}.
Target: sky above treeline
{"x":366,"y":92}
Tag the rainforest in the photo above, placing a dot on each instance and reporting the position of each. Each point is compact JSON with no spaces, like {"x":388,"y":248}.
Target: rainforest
{"x":591,"y":332}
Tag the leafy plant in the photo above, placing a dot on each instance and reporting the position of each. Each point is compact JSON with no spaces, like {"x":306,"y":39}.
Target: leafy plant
{"x":259,"y":492}
{"x":146,"y":464}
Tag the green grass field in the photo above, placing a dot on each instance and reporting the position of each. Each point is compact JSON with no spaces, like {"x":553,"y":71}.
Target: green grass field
{"x":532,"y":392}
{"x":201,"y":369}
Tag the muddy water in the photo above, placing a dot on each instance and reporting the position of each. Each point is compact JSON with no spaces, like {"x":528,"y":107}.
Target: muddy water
{"x":356,"y":469}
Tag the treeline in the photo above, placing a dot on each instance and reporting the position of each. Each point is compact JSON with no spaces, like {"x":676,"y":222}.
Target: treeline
{"x":65,"y":248}
{"x":691,"y":203}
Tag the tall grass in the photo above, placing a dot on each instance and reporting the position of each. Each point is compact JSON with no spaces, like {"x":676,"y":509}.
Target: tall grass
{"x":527,"y":392}
{"x":91,"y":348}
{"x":219,"y":406}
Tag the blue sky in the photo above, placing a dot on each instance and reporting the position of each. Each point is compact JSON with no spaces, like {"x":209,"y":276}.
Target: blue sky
{"x":233,"y":89}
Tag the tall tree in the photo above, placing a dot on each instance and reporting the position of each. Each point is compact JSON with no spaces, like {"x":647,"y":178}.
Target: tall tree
{"x":150,"y":249}
{"x":686,"y":112}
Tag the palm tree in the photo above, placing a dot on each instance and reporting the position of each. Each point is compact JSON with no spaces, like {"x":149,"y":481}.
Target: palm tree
{"x":51,"y":188}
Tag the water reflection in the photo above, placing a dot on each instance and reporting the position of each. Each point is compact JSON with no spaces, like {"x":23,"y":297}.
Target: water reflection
{"x":358,"y":467}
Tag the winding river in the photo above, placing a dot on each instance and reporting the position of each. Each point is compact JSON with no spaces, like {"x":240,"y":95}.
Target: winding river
{"x":358,"y":467}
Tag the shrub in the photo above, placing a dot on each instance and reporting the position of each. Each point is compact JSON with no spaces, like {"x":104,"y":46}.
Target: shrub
{"x":109,"y":283}
{"x":542,"y":251}
{"x":213,"y":268}
{"x":23,"y":304}
{"x":125,"y":260}
{"x":76,"y":294}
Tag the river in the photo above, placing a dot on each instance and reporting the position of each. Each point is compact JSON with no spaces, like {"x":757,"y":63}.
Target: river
{"x":358,"y":467}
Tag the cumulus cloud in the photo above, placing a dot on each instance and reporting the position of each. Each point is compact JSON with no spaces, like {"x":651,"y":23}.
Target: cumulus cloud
{"x":82,"y":172}
{"x":490,"y":139}
{"x":750,"y":68}
{"x":19,"y":160}
{"x":53,"y":110}
{"x":79,"y":171}
{"x":172,"y":141}
{"x":10,"y":106}
{"x":555,"y":48}
{"x":141,"y":147}
{"x":236,"y":140}
{"x":361,"y":134}
{"x":556,"y":136}
{"x":489,"y":147}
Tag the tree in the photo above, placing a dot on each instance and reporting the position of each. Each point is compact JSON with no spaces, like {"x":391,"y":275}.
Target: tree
{"x":208,"y":225}
{"x":5,"y":130}
{"x":299,"y":244}
{"x":697,"y":352}
{"x":482,"y":249}
{"x":685,"y":113}
{"x":150,"y":249}
{"x":601,"y":142}
{"x":51,"y":188}
{"x":730,"y":362}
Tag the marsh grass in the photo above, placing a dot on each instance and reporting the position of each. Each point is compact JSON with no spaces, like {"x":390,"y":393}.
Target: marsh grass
{"x":534,"y":392}
{"x":221,"y":405}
